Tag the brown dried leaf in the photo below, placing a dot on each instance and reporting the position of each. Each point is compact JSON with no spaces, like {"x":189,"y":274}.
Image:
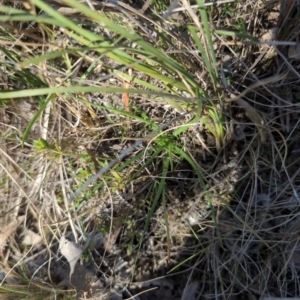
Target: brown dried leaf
{"x":30,"y":237}
{"x":9,"y":229}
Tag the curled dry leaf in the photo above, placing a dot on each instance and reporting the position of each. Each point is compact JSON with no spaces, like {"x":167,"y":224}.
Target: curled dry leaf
{"x":269,"y":34}
{"x":71,"y":251}
{"x":9,"y":229}
{"x":30,"y":237}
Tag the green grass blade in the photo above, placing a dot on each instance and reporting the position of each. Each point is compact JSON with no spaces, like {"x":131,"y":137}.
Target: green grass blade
{"x":204,"y":54}
{"x":192,"y":122}
{"x":242,"y":36}
{"x":80,"y":89}
{"x":208,"y":33}
{"x":34,"y":119}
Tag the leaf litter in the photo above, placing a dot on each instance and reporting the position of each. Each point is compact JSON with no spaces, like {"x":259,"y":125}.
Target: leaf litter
{"x":253,"y":250}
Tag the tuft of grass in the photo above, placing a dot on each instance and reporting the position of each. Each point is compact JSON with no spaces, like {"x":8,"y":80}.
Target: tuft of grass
{"x":99,"y":106}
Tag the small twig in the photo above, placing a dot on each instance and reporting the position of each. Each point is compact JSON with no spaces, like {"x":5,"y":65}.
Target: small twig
{"x":66,"y":201}
{"x":145,"y":6}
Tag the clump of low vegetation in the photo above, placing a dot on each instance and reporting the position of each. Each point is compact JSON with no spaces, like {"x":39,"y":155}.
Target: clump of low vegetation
{"x":149,"y":150}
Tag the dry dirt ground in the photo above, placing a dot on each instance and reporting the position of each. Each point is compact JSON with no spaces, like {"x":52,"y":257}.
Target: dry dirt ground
{"x":238,"y":239}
